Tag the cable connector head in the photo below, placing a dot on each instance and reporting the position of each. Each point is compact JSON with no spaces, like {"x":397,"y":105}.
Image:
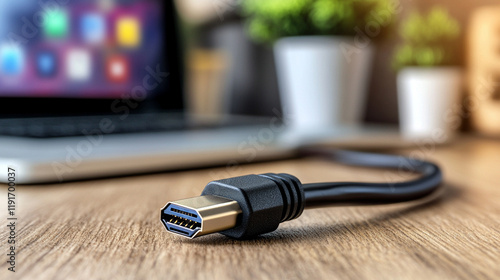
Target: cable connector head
{"x":241,"y":207}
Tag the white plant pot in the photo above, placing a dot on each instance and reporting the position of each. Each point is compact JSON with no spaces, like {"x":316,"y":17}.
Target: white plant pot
{"x":428,"y":102}
{"x":323,"y":80}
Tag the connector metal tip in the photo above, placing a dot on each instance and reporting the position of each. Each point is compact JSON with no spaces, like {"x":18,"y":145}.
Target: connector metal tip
{"x":200,"y":215}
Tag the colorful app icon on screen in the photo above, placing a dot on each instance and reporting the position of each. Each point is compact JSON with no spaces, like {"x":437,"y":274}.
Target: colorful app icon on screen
{"x":93,"y":28}
{"x":11,"y":60}
{"x":79,"y":65}
{"x":46,"y":64}
{"x":128,"y":32}
{"x":56,"y":23}
{"x":117,"y":69}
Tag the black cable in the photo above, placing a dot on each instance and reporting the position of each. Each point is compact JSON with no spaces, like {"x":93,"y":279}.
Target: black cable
{"x":246,"y":206}
{"x":351,"y":193}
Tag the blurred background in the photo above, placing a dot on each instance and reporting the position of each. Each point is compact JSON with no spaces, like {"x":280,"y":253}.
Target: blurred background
{"x":231,"y":46}
{"x":366,"y":73}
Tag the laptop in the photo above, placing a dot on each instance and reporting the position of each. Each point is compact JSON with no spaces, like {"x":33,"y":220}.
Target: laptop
{"x":93,"y":88}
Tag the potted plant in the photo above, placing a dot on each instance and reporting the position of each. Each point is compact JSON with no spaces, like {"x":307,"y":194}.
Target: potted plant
{"x":429,"y":80}
{"x":323,"y":51}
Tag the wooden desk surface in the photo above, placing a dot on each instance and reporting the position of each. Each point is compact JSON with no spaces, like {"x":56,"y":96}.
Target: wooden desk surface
{"x":110,"y":229}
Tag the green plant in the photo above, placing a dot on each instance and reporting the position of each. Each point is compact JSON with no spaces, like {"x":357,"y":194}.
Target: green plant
{"x":428,"y":40}
{"x":270,"y":20}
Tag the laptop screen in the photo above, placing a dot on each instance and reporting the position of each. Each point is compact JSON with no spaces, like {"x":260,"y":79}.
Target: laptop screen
{"x":85,"y":49}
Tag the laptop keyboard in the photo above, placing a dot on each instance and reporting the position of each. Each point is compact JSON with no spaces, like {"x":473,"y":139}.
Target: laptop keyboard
{"x":79,"y":126}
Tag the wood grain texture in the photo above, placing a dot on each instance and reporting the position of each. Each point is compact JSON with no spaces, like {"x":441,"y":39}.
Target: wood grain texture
{"x":110,"y":229}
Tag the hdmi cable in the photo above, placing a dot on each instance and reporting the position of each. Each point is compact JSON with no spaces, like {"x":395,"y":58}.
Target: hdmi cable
{"x":248,"y":206}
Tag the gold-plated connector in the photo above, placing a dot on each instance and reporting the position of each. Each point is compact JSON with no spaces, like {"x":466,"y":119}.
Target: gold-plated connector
{"x":200,"y":215}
